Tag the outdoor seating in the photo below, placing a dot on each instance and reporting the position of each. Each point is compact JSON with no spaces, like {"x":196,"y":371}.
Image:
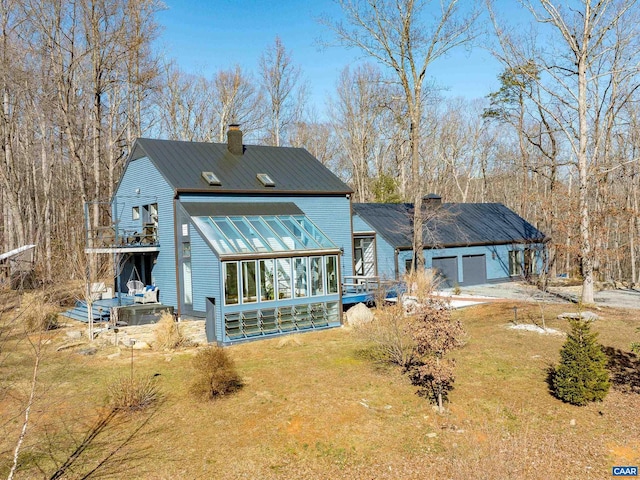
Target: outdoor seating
{"x":148,"y":295}
{"x":134,"y":287}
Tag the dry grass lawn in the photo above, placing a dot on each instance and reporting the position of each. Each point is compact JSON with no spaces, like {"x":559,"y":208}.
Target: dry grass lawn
{"x":313,"y":406}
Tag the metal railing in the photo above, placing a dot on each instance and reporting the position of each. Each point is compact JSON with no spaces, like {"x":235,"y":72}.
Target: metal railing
{"x":360,"y":284}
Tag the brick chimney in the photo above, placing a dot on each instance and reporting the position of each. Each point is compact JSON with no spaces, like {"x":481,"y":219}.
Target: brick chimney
{"x":234,"y":139}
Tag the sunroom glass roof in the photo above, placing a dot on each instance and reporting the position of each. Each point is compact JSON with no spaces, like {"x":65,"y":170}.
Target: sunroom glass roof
{"x":262,"y":234}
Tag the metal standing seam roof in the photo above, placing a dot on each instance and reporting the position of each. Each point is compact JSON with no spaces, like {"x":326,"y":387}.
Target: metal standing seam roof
{"x":293,"y":170}
{"x":459,"y":224}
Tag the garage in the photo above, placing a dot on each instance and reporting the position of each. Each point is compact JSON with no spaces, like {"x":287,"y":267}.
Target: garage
{"x":447,"y":270}
{"x":474,"y":269}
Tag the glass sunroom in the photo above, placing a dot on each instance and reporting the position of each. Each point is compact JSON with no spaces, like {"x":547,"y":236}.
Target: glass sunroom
{"x":279,"y":272}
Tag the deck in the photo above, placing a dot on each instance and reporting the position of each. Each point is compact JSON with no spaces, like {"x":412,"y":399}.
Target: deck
{"x":117,"y":240}
{"x":364,"y":289}
{"x":129,"y":313}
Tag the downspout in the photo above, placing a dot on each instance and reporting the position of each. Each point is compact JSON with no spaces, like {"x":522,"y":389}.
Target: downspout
{"x":175,"y":242}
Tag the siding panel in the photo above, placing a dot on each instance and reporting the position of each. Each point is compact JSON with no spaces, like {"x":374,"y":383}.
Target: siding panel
{"x":142,"y":184}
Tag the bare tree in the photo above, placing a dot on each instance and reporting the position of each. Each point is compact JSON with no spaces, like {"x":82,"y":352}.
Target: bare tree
{"x":590,"y":55}
{"x":318,"y":138}
{"x":406,"y":36}
{"x":236,"y":100}
{"x":284,"y":91}
{"x":186,"y":107}
{"x":357,"y":117}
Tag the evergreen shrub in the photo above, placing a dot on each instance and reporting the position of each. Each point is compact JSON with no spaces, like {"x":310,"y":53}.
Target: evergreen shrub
{"x":581,"y":376}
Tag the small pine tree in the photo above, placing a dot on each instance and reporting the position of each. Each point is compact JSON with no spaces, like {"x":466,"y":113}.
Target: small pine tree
{"x":581,"y":376}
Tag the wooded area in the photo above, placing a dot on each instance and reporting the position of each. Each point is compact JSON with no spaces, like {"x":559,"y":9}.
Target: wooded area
{"x":557,"y":142}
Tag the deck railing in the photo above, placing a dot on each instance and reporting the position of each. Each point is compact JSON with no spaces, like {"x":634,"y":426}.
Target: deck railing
{"x":360,"y":284}
{"x":111,"y":237}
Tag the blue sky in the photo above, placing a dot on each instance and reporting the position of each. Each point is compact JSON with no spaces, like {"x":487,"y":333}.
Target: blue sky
{"x":205,"y":36}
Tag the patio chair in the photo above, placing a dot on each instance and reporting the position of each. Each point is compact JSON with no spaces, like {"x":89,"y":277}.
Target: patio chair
{"x":148,"y":295}
{"x":135,"y":286}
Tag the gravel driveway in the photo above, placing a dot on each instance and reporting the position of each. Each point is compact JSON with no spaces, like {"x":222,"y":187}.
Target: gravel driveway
{"x":620,"y":298}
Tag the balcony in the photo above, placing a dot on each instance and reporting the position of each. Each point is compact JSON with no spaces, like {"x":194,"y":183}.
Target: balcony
{"x":110,"y":239}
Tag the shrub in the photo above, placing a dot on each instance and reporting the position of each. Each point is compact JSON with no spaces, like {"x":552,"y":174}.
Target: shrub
{"x":216,"y":374}
{"x":635,"y":346}
{"x":581,"y":376}
{"x":421,"y":284}
{"x":167,"y":333}
{"x":389,"y":337}
{"x":435,"y":335}
{"x":37,"y":314}
{"x":134,"y":393}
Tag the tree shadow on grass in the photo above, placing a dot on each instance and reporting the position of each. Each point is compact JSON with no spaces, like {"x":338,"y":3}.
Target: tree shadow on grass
{"x":113,"y":445}
{"x":624,"y":368}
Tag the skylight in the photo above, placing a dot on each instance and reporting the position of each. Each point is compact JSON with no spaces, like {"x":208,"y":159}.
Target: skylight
{"x":266,"y":180}
{"x":211,"y":178}
{"x":261,"y":234}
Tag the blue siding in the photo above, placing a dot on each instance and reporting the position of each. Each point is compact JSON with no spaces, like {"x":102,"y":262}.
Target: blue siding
{"x":332,"y":214}
{"x":359,"y":225}
{"x":205,"y":273}
{"x":497,"y":268}
{"x":403,"y":257}
{"x":386,"y":259}
{"x":141,"y":175}
{"x":385,"y":253}
{"x":497,"y":256}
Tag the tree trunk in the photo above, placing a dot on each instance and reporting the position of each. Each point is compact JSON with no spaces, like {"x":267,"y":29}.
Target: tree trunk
{"x":585,"y":244}
{"x":414,"y":132}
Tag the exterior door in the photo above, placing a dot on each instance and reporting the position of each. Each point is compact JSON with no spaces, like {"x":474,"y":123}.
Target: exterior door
{"x":446,"y":269}
{"x":364,"y":256}
{"x":474,"y":269}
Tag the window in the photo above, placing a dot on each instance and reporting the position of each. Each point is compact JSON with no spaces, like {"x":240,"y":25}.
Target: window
{"x":249,"y":283}
{"x":332,"y":274}
{"x":266,"y":180}
{"x":248,"y":232}
{"x":317,"y":280}
{"x":284,"y":278}
{"x":408,"y":265}
{"x":135,"y":213}
{"x":530,"y":262}
{"x":301,"y":235}
{"x":186,"y":273}
{"x":515,"y":262}
{"x":257,"y":233}
{"x":230,"y":283}
{"x":364,"y":256}
{"x":267,"y":290}
{"x":300,"y":270}
{"x":153,"y":214}
{"x":188,"y":288}
{"x":211,"y":178}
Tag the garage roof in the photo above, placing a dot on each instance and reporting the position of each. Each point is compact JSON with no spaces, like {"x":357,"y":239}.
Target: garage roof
{"x":449,"y":224}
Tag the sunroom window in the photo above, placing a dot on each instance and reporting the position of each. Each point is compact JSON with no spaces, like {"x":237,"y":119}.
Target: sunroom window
{"x":266,"y":280}
{"x":262,"y":234}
